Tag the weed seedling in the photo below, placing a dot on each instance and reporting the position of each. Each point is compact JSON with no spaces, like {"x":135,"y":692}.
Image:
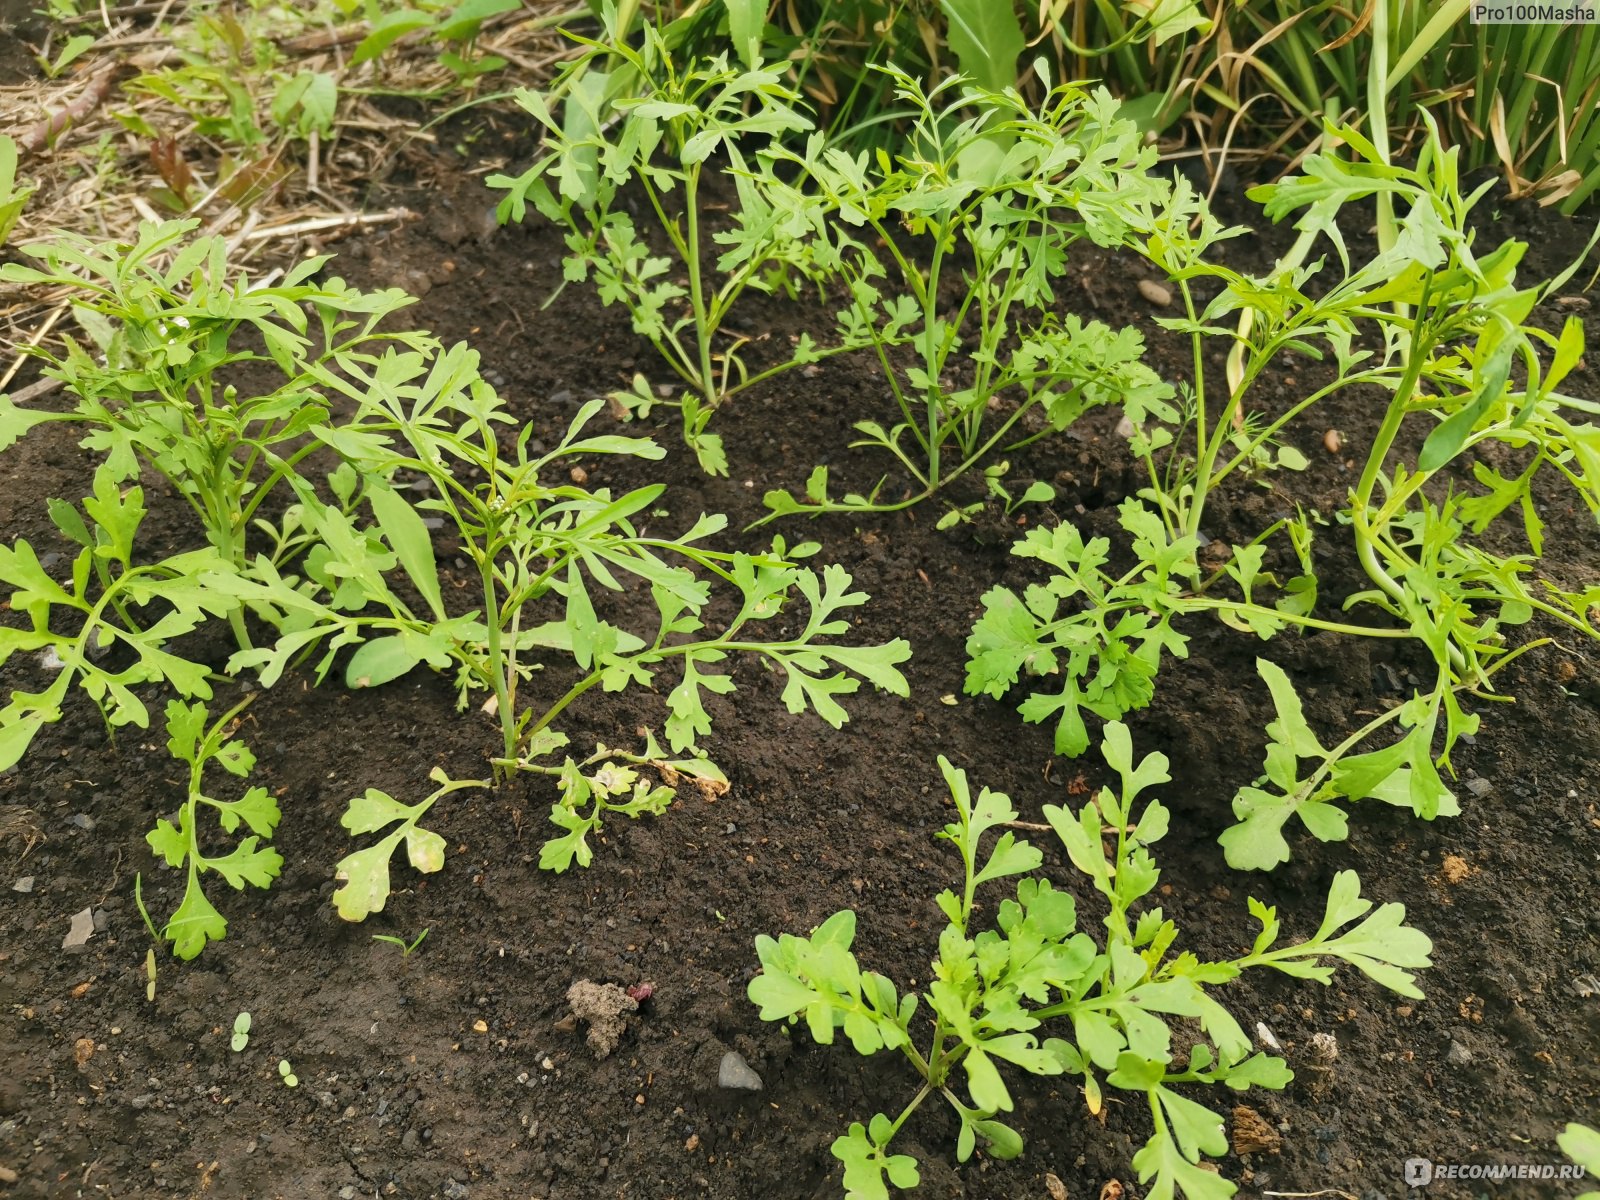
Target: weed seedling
{"x":406,"y":948}
{"x":286,"y":1073}
{"x":241,"y":1032}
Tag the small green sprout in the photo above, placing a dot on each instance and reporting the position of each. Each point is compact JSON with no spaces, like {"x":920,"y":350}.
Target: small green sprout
{"x":241,"y":1031}
{"x":405,"y":947}
{"x":286,"y":1072}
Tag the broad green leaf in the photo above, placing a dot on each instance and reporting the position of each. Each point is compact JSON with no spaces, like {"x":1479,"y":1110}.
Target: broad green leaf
{"x":1490,"y":378}
{"x":408,"y":537}
{"x":986,"y":39}
{"x":746,"y":20}
{"x":380,"y":661}
{"x":15,"y":421}
{"x":194,"y":923}
{"x":386,"y":30}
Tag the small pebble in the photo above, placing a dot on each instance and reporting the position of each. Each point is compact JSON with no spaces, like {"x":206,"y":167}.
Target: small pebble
{"x":1332,"y":441}
{"x":83,"y":821}
{"x":1458,"y":1055}
{"x":1479,"y":786}
{"x":454,"y":1190}
{"x":24,"y":885}
{"x":80,"y":930}
{"x":1155,"y":293}
{"x":735,"y":1074}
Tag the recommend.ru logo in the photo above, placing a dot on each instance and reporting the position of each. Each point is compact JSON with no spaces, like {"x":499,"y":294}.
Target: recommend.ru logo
{"x":1420,"y":1172}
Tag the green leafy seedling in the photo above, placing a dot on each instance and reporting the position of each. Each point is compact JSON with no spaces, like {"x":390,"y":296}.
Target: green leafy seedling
{"x":197,"y":920}
{"x":406,"y":948}
{"x":1402,"y":774}
{"x":241,"y":1032}
{"x":286,"y":1073}
{"x":1040,"y":994}
{"x":364,"y":875}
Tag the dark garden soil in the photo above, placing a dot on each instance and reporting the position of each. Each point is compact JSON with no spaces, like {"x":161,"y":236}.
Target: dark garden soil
{"x":456,"y":1072}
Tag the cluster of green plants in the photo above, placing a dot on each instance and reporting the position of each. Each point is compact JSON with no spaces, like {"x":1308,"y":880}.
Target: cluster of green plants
{"x":990,"y":192}
{"x":227,"y":106}
{"x":319,"y":447}
{"x":1244,"y":78}
{"x":947,"y":254}
{"x":1445,"y":333}
{"x":1038,"y":993}
{"x":312,"y":446}
{"x":945,"y":247}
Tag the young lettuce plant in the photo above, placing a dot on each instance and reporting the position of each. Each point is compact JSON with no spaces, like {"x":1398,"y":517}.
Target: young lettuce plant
{"x":1091,"y":641}
{"x":196,"y":920}
{"x":1040,"y":994}
{"x":662,"y":139}
{"x":614,"y":787}
{"x":997,"y":194}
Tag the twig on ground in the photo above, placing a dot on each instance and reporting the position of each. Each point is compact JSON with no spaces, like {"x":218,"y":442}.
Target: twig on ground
{"x":320,"y":224}
{"x":38,"y":336}
{"x":32,"y":140}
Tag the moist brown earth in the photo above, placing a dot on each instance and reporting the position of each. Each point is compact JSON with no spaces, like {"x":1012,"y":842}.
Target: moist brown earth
{"x":458,"y":1071}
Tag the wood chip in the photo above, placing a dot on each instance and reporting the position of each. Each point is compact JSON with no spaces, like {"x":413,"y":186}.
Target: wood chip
{"x":1252,"y":1133}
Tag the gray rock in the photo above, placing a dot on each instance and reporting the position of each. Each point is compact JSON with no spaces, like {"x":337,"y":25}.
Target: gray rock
{"x":23,"y":885}
{"x":101,"y":919}
{"x":1479,"y":786}
{"x":409,"y":1141}
{"x":736,"y":1075}
{"x":455,"y":1190}
{"x":83,"y":821}
{"x":347,"y":1192}
{"x":1458,"y":1055}
{"x":81,"y":931}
